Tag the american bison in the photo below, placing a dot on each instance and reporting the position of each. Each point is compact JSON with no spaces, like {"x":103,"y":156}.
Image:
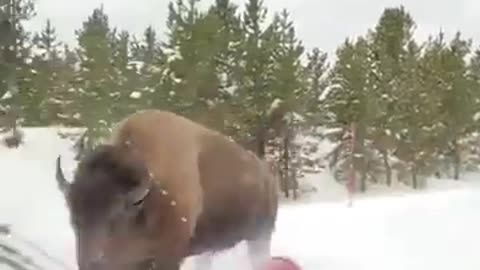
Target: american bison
{"x":164,"y":188}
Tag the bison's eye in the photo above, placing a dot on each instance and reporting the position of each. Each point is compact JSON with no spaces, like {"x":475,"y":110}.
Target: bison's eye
{"x":136,"y":197}
{"x":139,"y":202}
{"x":135,"y":205}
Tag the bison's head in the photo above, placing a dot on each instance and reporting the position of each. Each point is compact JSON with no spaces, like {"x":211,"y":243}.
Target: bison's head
{"x":110,"y":202}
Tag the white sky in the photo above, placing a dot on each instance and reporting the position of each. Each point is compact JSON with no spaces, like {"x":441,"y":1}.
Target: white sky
{"x":320,"y":23}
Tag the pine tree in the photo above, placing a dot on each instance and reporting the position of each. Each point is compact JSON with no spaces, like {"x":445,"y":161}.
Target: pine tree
{"x":352,"y":103}
{"x":187,"y":51}
{"x":287,"y":84}
{"x":288,"y":87}
{"x":474,"y":75}
{"x":317,"y":90}
{"x":389,"y":42}
{"x":255,"y":96}
{"x":150,"y":60}
{"x":128,"y":81}
{"x":7,"y":37}
{"x":63,"y":106}
{"x":227,"y":64}
{"x":40,"y":101}
{"x":200,"y":52}
{"x":474,"y":65}
{"x":15,"y":56}
{"x":457,"y":104}
{"x":416,"y":116}
{"x":314,"y":78}
{"x":95,"y":85}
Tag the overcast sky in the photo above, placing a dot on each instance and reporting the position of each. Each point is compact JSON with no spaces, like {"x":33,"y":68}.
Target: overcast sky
{"x":320,"y":23}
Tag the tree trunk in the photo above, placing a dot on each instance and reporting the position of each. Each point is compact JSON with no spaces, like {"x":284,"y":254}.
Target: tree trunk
{"x":388,"y":169}
{"x":260,"y":138}
{"x":261,"y":146}
{"x":456,"y":160}
{"x":282,"y":179}
{"x":334,"y":155}
{"x":360,"y":162}
{"x":286,"y":160}
{"x":295,"y":184}
{"x":11,"y":59}
{"x":414,"y":175}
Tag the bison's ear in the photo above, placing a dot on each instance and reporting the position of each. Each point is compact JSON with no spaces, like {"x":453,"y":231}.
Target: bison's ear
{"x":62,"y":182}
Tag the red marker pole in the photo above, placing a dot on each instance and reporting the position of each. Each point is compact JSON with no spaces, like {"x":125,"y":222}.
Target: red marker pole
{"x":281,"y":263}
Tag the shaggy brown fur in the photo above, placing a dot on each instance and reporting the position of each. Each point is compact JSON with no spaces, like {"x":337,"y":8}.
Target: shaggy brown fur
{"x":164,"y":188}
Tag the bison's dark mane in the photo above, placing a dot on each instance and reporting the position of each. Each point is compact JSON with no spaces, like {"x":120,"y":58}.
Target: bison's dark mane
{"x":102,"y":175}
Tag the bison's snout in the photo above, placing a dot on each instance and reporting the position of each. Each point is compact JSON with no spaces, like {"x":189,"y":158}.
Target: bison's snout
{"x":93,"y":266}
{"x":91,"y":256}
{"x":95,"y":263}
{"x":104,"y":265}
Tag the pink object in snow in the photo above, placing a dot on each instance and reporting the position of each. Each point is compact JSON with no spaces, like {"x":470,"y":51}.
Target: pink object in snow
{"x":280,"y":263}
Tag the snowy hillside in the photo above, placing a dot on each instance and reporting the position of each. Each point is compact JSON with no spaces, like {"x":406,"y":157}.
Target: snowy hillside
{"x":434,"y":229}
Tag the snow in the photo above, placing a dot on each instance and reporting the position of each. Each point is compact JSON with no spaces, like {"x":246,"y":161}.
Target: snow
{"x":135,"y":95}
{"x":173,"y":54}
{"x":30,"y":200}
{"x":7,"y":95}
{"x":323,"y":96}
{"x":476,"y":116}
{"x":275,"y":105}
{"x":138,"y":65}
{"x":388,"y":228}
{"x":230,"y":89}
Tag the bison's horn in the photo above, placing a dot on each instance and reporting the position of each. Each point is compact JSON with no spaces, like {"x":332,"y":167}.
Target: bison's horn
{"x":61,"y":181}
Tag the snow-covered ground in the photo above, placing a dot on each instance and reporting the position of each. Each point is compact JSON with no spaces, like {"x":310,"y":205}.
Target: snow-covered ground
{"x":435,"y":229}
